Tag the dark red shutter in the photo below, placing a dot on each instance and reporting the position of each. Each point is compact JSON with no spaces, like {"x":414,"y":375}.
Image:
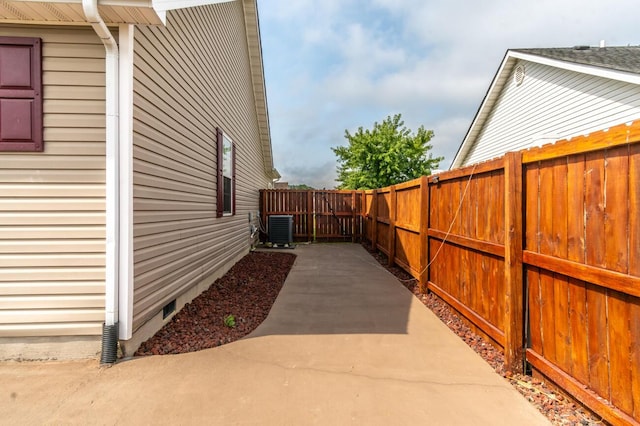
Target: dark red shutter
{"x":20,"y":94}
{"x":220,"y":179}
{"x":233,"y":184}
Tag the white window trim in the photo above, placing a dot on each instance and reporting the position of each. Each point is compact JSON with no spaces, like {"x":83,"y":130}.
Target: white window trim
{"x":227,"y":138}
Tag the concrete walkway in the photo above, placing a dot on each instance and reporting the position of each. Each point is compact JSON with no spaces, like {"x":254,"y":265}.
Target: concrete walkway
{"x":345,"y":343}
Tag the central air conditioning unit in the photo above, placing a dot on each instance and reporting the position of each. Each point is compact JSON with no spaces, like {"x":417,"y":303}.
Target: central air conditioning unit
{"x":281,"y":229}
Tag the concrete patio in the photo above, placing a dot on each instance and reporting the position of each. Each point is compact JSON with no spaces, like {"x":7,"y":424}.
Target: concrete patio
{"x":345,"y":343}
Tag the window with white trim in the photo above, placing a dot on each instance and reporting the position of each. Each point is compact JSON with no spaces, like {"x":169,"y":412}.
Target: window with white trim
{"x":226,"y":175}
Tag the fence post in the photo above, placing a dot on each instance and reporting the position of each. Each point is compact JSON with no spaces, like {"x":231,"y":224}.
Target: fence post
{"x":392,"y":225}
{"x":315,"y":215}
{"x":263,"y":207}
{"x":514,"y":294}
{"x":261,"y":203}
{"x":309,"y":215}
{"x":424,"y":234}
{"x":363,"y":205}
{"x":374,"y":221}
{"x":353,"y":216}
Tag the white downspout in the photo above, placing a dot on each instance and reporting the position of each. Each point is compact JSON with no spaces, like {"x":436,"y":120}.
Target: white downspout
{"x":125,"y":248}
{"x":110,"y":328}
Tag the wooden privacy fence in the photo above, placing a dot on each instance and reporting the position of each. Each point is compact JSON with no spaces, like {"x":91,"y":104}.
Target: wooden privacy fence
{"x":540,"y":251}
{"x":317,"y":215}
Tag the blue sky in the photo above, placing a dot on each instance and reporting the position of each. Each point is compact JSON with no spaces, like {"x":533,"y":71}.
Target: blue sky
{"x":337,"y":65}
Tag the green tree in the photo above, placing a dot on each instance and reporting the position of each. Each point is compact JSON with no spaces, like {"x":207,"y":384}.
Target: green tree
{"x":388,"y":154}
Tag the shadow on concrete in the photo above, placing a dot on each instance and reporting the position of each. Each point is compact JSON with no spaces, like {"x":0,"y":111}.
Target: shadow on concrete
{"x":338,"y":289}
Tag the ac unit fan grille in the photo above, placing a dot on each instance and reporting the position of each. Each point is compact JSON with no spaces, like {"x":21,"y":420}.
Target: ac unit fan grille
{"x":281,"y":229}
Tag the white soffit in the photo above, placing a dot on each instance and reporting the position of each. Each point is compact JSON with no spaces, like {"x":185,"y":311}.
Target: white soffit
{"x":181,"y":4}
{"x":146,"y":12}
{"x":162,"y":6}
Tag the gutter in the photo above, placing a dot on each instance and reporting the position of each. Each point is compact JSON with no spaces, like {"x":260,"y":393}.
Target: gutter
{"x":110,"y":326}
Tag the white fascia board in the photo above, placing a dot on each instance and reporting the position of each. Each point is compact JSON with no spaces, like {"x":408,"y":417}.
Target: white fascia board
{"x":594,"y":70}
{"x":252,"y":31}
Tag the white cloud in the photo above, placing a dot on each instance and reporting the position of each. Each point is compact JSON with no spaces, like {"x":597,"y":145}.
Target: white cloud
{"x":447,"y":138}
{"x":341,"y":64}
{"x":318,"y":176}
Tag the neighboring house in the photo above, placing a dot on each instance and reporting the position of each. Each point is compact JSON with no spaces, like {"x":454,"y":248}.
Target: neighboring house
{"x":541,"y":95}
{"x":129,"y":180}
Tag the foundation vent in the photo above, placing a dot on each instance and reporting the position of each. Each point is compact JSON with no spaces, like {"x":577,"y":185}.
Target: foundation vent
{"x":168,"y":309}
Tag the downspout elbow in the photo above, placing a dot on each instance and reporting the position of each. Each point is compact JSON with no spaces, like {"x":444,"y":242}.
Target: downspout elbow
{"x":92,"y":14}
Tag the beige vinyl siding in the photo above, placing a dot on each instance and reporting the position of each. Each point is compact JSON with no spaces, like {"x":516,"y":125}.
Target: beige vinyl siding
{"x":189,"y":78}
{"x":552,"y":104}
{"x":52,"y":222}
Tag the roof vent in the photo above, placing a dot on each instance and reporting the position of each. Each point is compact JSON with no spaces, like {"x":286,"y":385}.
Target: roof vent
{"x":581,"y":47}
{"x":518,"y":74}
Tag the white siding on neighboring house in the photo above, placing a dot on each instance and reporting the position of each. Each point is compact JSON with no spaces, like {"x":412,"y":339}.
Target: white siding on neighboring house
{"x":190,"y":78}
{"x":551,"y":104}
{"x":52,"y":236}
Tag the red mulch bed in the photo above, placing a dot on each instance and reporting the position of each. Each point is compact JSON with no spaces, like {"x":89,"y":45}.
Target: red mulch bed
{"x":556,"y":407}
{"x":247,"y":291}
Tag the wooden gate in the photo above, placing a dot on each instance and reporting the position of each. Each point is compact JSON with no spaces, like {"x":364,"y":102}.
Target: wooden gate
{"x":327,"y":215}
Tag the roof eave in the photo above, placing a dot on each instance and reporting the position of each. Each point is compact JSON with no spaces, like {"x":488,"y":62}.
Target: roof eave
{"x":52,"y":12}
{"x":153,"y":12}
{"x":162,"y":6}
{"x":252,"y":26}
{"x":499,"y":81}
{"x":611,"y":73}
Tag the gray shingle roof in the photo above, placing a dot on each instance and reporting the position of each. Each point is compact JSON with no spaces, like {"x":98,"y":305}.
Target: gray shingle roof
{"x":616,"y":58}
